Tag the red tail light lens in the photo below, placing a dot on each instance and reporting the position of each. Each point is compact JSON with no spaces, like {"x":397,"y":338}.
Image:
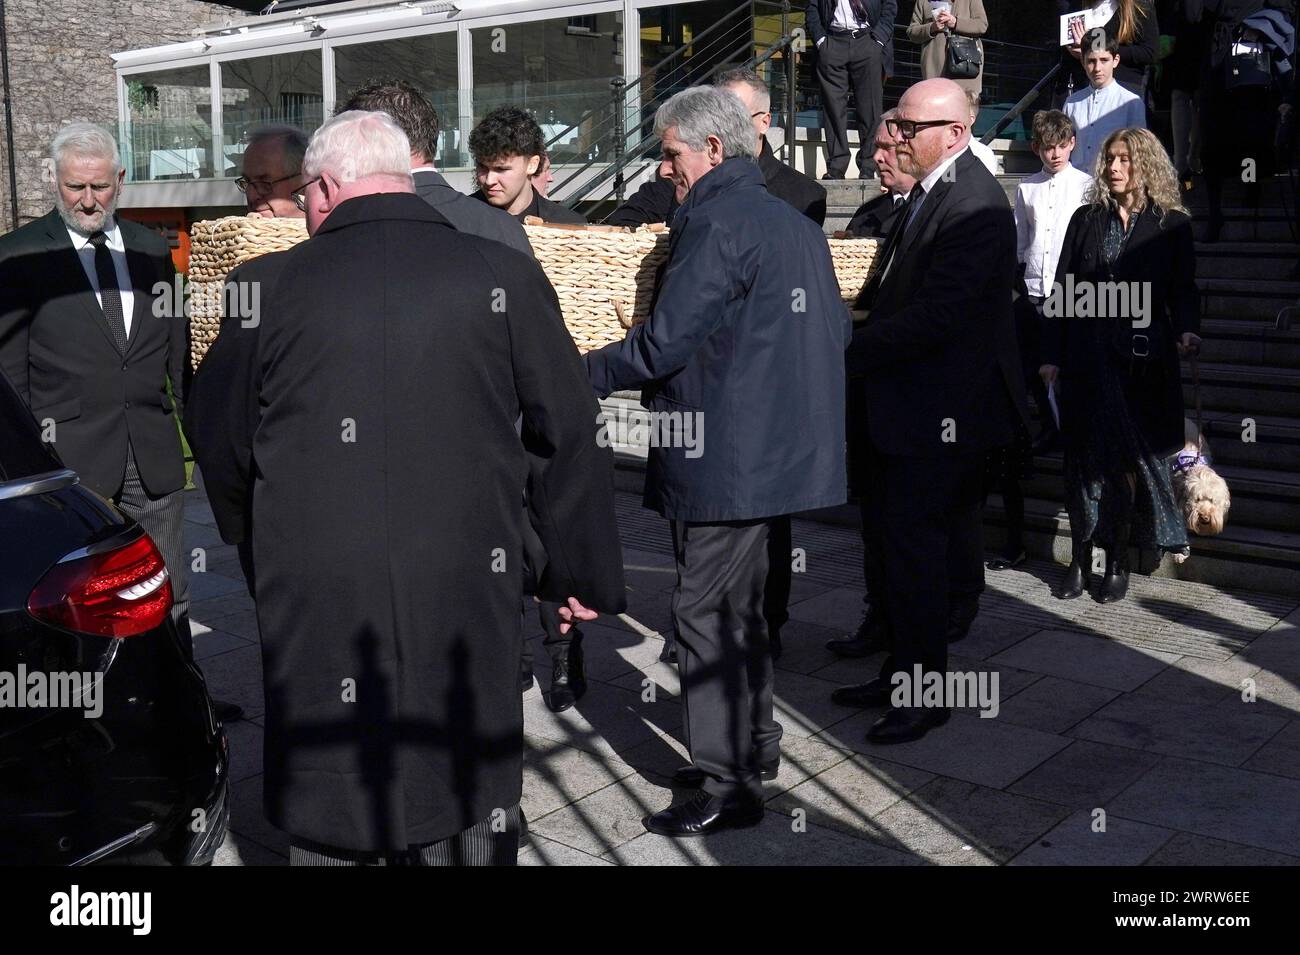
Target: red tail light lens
{"x":119,"y":593}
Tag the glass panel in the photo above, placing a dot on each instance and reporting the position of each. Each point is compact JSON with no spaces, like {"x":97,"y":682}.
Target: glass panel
{"x":283,"y":89}
{"x":169,"y":126}
{"x":560,"y":71}
{"x":426,"y":62}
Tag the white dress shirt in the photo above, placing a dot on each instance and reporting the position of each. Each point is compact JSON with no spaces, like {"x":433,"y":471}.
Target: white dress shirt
{"x":985,"y":154}
{"x":1044,"y":205}
{"x":1096,"y":113}
{"x":844,"y":18}
{"x":86,"y":252}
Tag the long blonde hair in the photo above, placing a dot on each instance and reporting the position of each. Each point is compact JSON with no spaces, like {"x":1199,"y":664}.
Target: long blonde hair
{"x":1150,"y":167}
{"x":1130,"y":11}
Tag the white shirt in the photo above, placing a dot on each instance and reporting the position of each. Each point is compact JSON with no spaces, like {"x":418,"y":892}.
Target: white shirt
{"x":985,"y":154}
{"x":1044,"y":205}
{"x":1096,"y":113}
{"x":844,"y":18}
{"x":86,"y":252}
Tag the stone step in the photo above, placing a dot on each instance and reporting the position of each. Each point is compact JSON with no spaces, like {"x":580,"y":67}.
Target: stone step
{"x":1246,"y":260}
{"x":1250,"y":342}
{"x":1256,"y":299}
{"x":1249,"y":389}
{"x":1266,"y":561}
{"x":1261,"y":498}
{"x":1243,"y":224}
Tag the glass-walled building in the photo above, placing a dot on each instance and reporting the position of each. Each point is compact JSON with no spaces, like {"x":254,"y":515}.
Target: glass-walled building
{"x":185,"y":109}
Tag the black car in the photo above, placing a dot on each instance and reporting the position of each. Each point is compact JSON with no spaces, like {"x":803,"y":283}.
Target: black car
{"x":109,"y":748}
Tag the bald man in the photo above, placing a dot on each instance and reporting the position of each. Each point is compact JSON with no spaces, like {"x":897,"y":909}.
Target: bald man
{"x":937,"y":397}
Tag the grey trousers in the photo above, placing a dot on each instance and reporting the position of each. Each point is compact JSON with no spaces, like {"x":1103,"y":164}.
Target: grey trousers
{"x":486,"y":843}
{"x":163,"y":519}
{"x":723,"y":652}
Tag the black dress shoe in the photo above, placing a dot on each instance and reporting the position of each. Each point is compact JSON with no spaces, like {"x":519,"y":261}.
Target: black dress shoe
{"x":872,"y":635}
{"x":905,"y":725}
{"x":227,"y":712}
{"x":568,"y":677}
{"x":872,"y":693}
{"x":831,"y":175}
{"x":1114,"y":585}
{"x":691,"y":776}
{"x":704,"y":814}
{"x":1006,"y":563}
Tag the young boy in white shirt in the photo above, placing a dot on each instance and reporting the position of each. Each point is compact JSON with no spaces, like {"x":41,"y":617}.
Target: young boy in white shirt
{"x":1045,"y":203}
{"x":1105,"y":105}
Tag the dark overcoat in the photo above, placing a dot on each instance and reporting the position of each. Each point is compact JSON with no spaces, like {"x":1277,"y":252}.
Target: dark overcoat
{"x":746,"y":333}
{"x":395,"y":356}
{"x":1160,"y":258}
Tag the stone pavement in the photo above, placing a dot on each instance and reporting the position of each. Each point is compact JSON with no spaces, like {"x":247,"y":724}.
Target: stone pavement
{"x":1135,"y":710}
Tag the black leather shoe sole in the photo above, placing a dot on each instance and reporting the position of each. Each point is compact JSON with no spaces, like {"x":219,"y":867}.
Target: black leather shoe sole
{"x":888,"y":735}
{"x":854,"y":648}
{"x":1006,"y":563}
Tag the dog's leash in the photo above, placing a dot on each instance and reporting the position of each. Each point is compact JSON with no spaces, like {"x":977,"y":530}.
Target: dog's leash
{"x":1196,"y":397}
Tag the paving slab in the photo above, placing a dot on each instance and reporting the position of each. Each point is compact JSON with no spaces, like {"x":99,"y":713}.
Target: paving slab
{"x":209,"y":609}
{"x":847,"y":795}
{"x":1075,"y":842}
{"x":990,"y":752}
{"x":235,"y":850}
{"x":556,"y":774}
{"x":606,"y":818}
{"x":210,"y":643}
{"x":1237,"y":805}
{"x":606,"y":721}
{"x":1085,"y":775}
{"x":1185,"y":849}
{"x":205,"y":586}
{"x":1086,"y":659}
{"x":991,"y":635}
{"x":542,"y":851}
{"x":839,"y":609}
{"x":242,"y":623}
{"x":1214,"y":734}
{"x":953,"y":822}
{"x":248,"y":821}
{"x":1281,"y":754}
{"x":774,"y":843}
{"x":1053,"y":704}
{"x":236,"y":677}
{"x":1194,"y":680}
{"x":804,"y":646}
{"x":245,"y":749}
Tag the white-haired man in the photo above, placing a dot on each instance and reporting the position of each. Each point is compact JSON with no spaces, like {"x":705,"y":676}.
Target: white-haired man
{"x":99,"y":358}
{"x":394,"y":357}
{"x":744,"y":346}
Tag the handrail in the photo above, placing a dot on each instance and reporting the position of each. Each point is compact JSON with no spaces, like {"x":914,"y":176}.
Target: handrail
{"x":1012,"y":114}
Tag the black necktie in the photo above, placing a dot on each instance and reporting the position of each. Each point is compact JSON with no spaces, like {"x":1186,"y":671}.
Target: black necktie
{"x":109,"y":294}
{"x":859,"y":10}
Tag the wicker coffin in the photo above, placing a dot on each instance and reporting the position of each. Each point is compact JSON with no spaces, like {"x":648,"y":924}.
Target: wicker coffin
{"x":604,"y":277}
{"x":216,"y":247}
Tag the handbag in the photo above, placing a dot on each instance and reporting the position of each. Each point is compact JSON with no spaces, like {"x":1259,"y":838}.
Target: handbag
{"x":963,"y":60}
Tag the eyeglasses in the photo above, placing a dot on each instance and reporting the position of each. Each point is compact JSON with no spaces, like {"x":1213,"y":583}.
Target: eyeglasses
{"x":908,"y":128}
{"x":261,"y":186}
{"x":300,"y":197}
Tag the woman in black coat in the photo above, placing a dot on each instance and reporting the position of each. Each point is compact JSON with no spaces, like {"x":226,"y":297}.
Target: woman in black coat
{"x":1117,"y":369}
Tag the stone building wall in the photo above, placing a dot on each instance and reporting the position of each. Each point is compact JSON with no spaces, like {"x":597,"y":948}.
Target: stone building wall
{"x":61,"y":70}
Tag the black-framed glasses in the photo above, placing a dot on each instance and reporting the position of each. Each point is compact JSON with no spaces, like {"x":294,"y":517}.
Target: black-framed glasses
{"x":300,"y":197}
{"x":908,"y":128}
{"x":261,"y":186}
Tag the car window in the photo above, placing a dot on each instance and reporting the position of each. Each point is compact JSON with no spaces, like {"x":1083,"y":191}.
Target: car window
{"x":21,"y":451}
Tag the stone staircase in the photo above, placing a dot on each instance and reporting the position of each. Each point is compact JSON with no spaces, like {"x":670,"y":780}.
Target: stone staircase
{"x":1249,"y":369}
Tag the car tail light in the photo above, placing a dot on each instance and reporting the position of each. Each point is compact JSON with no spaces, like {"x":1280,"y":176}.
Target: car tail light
{"x":119,"y":593}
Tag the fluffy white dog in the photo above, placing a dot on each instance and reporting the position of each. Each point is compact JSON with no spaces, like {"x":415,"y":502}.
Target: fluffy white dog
{"x":1202,"y":494}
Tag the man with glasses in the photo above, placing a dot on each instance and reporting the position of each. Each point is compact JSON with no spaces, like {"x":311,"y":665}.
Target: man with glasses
{"x":937,"y":397}
{"x":273,"y":171}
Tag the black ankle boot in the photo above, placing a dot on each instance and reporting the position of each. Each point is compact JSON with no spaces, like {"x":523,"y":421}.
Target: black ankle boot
{"x":1115,"y":584}
{"x":1079,"y":577}
{"x":568,"y":677}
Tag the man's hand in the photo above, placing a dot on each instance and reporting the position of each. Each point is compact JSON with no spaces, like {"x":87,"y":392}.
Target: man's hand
{"x":1189,"y":345}
{"x":1048,"y":373}
{"x":572,"y":613}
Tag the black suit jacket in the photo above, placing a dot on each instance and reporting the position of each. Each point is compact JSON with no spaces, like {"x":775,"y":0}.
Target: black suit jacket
{"x":58,"y":352}
{"x":938,"y":351}
{"x":475,"y":218}
{"x":875,"y":218}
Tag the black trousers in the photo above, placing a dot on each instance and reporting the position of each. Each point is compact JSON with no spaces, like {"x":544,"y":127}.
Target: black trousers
{"x":843,"y":63}
{"x":922,"y":528}
{"x":723,"y":651}
{"x":490,"y":842}
{"x":1029,"y":333}
{"x":163,"y":519}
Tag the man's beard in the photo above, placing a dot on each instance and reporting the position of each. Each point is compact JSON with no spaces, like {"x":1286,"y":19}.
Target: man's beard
{"x":69,"y":216}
